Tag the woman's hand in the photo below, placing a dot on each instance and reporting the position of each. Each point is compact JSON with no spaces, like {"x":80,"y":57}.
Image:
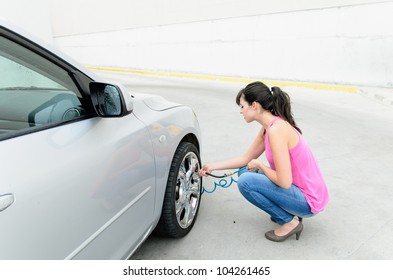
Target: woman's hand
{"x":254,"y":165}
{"x":204,"y":169}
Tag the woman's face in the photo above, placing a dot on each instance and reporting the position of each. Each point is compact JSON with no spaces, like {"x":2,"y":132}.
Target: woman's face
{"x":246,"y":110}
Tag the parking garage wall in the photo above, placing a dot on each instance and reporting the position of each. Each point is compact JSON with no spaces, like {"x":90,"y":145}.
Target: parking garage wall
{"x":33,"y":16}
{"x":339,"y":42}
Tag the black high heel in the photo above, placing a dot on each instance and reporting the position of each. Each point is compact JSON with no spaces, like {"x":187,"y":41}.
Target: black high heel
{"x":297,"y":231}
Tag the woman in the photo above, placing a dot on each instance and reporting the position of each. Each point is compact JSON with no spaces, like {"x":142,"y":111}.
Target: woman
{"x":293,"y":186}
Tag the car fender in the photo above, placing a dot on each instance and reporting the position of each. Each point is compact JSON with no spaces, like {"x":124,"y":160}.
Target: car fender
{"x":168,"y":127}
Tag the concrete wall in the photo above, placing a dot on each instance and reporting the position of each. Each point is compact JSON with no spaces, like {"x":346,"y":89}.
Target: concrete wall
{"x":329,"y":41}
{"x":33,"y":16}
{"x":73,"y":17}
{"x":311,"y":41}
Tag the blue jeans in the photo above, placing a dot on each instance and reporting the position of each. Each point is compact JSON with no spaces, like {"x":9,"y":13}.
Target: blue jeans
{"x":282,"y":204}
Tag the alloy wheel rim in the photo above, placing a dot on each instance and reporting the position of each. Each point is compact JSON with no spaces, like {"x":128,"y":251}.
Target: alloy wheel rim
{"x":188,"y":190}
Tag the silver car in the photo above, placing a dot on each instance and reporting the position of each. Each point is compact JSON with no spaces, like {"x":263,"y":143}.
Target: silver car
{"x":88,"y":170}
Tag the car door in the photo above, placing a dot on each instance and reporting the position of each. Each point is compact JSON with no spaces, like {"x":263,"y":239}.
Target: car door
{"x":73,"y":185}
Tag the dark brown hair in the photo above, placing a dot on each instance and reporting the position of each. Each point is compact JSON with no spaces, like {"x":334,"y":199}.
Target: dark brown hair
{"x":275,"y":100}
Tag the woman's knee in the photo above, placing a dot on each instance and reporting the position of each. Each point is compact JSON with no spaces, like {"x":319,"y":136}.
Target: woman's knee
{"x":251,"y":181}
{"x":244,"y":181}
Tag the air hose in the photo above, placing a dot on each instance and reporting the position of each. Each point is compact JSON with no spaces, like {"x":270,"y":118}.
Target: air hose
{"x":223,"y":183}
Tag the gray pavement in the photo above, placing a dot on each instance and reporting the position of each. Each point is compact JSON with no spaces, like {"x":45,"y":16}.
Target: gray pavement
{"x":351,"y":136}
{"x":381,"y":95}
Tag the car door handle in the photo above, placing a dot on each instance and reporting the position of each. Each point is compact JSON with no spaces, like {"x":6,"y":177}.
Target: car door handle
{"x":6,"y":201}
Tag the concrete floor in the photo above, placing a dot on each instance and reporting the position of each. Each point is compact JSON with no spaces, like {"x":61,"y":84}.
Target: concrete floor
{"x":351,"y":136}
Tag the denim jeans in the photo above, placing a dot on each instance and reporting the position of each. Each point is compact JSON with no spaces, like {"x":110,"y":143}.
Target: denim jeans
{"x":281,"y":204}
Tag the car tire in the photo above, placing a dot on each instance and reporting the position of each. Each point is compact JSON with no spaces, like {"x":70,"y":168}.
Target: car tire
{"x":183,"y":193}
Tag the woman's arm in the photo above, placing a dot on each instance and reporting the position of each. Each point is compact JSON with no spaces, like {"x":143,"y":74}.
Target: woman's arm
{"x":279,"y":135}
{"x":254,"y":151}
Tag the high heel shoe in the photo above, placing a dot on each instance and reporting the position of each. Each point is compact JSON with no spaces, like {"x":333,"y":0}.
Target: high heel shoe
{"x":273,"y":237}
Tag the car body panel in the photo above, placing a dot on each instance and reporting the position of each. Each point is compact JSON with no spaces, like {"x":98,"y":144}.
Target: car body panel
{"x":100,"y":183}
{"x":157,"y":103}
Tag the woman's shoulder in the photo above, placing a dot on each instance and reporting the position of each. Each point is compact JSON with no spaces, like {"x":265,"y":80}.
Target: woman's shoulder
{"x":280,"y":125}
{"x":280,"y":129}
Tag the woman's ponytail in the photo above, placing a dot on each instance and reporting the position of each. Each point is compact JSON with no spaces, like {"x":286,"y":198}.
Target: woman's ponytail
{"x":282,"y":106}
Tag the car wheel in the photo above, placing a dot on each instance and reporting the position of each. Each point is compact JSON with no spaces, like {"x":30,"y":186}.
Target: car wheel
{"x":183,"y":193}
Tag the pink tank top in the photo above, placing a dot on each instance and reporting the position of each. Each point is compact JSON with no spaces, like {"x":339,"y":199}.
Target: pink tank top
{"x":306,"y":174}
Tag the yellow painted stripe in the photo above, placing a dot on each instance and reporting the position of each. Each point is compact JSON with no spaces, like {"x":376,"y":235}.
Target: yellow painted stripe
{"x":351,"y":89}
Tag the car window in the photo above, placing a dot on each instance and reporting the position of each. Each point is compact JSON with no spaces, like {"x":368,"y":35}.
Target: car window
{"x":33,"y":90}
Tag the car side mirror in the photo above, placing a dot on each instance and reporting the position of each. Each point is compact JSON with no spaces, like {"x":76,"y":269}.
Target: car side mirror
{"x":110,"y":100}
